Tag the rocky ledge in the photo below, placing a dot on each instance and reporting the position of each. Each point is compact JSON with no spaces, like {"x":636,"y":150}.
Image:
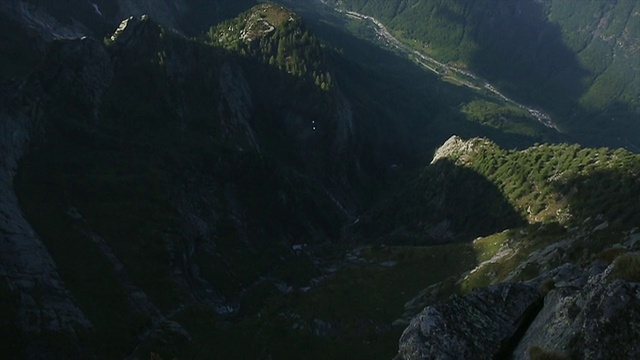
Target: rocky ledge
{"x":569,"y":313}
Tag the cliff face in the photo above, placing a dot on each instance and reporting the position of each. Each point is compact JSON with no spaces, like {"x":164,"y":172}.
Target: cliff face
{"x":444,"y":331}
{"x":32,"y":287}
{"x":171,"y":137}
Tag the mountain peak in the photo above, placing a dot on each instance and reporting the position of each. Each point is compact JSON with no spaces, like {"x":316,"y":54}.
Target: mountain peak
{"x":277,"y":36}
{"x":135,"y":25}
{"x":459,"y":150}
{"x":260,"y":21}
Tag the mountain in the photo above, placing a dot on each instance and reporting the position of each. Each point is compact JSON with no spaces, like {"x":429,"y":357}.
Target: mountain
{"x":542,"y":287}
{"x":577,"y":61}
{"x":154,"y":168}
{"x":28,"y":25}
{"x":239,"y":181}
{"x":474,"y":188}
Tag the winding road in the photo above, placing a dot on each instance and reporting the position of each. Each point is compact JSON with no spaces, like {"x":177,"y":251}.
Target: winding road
{"x":440,"y":68}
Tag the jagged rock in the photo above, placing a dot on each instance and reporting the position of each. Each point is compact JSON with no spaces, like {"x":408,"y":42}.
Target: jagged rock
{"x":164,"y":11}
{"x":236,"y":105}
{"x":476,"y":326}
{"x":458,"y":150}
{"x":590,"y":316}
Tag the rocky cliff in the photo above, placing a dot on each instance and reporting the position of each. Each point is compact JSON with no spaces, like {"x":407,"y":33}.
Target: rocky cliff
{"x":586,"y":313}
{"x":178,"y":137}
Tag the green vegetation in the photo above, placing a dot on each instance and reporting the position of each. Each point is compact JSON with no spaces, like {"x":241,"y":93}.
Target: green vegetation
{"x":349,"y":314}
{"x":564,"y":183}
{"x":627,"y":267}
{"x":485,"y":189}
{"x":504,"y":117}
{"x":278,"y":37}
{"x":576,"y":60}
{"x":514,"y":246}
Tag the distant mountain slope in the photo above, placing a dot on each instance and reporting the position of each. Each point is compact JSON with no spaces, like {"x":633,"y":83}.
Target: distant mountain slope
{"x":474,"y":188}
{"x":28,"y":25}
{"x":576,"y":59}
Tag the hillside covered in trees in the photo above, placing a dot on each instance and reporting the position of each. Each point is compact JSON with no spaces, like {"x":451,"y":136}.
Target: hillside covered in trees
{"x":576,"y":59}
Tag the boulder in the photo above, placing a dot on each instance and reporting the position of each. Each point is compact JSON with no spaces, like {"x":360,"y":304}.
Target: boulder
{"x":476,"y":326}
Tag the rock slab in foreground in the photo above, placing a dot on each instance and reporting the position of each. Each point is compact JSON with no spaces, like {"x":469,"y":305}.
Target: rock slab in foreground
{"x":591,"y":314}
{"x":476,"y":326}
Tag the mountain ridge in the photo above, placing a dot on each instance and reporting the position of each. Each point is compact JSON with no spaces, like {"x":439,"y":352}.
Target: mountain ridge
{"x":191,"y":198}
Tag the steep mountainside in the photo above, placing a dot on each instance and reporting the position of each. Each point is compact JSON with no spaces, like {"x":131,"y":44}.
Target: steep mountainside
{"x":474,"y":188}
{"x":257,"y":188}
{"x":576,"y":60}
{"x":157,"y":171}
{"x":542,"y":288}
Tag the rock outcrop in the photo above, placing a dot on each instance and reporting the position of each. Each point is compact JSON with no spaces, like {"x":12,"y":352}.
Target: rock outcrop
{"x":459,"y":150}
{"x":589,"y":314}
{"x":477,"y":326}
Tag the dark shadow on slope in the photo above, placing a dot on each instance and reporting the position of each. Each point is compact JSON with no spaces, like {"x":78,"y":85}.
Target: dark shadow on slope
{"x":21,"y":49}
{"x":511,"y":43}
{"x":446,"y":203}
{"x":616,"y":126}
{"x":528,"y":53}
{"x":154,"y":173}
{"x":607,"y":197}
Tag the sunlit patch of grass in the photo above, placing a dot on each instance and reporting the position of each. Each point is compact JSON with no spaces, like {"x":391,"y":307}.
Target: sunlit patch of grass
{"x":522,"y":243}
{"x":487,"y":247}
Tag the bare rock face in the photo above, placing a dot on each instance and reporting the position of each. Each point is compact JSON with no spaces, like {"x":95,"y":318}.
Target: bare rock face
{"x":43,"y":303}
{"x":592,"y":316}
{"x":82,"y":69}
{"x":476,"y":326}
{"x":236,"y":105}
{"x":589,"y":314}
{"x":459,"y":150}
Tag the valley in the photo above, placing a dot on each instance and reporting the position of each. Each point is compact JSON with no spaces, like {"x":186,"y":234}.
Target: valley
{"x":447,"y":72}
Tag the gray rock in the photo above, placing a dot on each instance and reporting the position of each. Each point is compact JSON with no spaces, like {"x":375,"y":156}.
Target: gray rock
{"x":588,"y":315}
{"x":594,"y":319}
{"x":477,"y":326}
